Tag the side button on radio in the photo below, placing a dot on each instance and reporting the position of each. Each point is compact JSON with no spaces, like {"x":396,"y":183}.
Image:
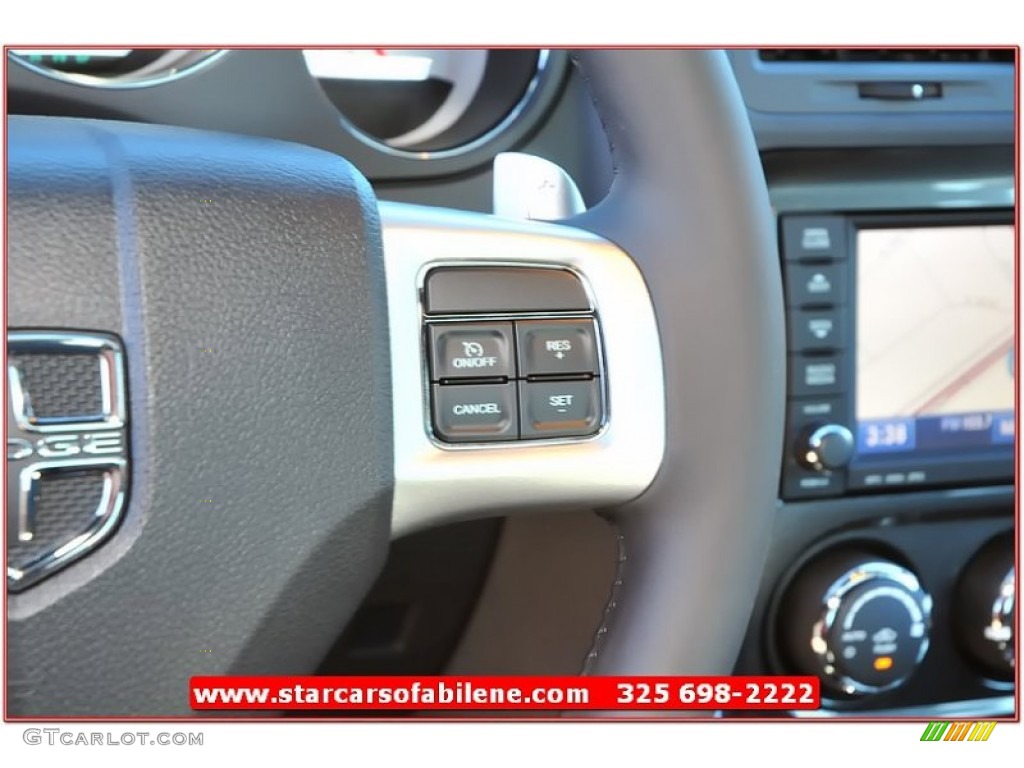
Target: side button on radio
{"x":816,"y":330}
{"x":813,"y":284}
{"x":819,"y":375}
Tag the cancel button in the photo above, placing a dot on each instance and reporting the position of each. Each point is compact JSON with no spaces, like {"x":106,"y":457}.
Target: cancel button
{"x":469,"y":413}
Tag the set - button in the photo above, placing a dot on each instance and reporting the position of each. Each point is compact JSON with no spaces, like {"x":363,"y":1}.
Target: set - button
{"x":559,"y":408}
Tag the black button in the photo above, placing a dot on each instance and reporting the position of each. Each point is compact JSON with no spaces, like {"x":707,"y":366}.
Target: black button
{"x":475,"y":412}
{"x":556,"y":347}
{"x":458,"y":290}
{"x":809,"y":237}
{"x":815,"y":284}
{"x":817,"y":410}
{"x":560,"y":408}
{"x":813,"y":330}
{"x":816,"y":375}
{"x":471,"y":351}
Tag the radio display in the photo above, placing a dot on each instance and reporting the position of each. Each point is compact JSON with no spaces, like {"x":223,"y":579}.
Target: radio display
{"x":934,"y":340}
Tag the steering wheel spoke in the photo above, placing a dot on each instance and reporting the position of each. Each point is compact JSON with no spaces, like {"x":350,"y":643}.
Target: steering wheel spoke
{"x":438,"y":481}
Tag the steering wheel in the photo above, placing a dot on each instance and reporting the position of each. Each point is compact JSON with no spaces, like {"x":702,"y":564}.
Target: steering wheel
{"x":256,"y":323}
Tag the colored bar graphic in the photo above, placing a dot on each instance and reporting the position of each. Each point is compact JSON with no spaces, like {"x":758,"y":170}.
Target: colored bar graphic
{"x":934,"y":731}
{"x":958,"y":730}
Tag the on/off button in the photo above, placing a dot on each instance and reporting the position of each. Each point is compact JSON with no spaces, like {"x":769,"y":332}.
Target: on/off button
{"x":471,"y":350}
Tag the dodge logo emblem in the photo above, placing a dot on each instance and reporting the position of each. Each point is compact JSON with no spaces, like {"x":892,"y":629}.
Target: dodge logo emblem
{"x":67,"y":458}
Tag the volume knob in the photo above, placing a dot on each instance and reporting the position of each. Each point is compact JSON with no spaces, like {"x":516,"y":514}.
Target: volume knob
{"x":825,"y":447}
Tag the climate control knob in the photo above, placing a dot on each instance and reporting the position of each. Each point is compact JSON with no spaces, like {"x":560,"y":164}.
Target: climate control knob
{"x":825,"y":447}
{"x":984,"y":607}
{"x":859,"y":622}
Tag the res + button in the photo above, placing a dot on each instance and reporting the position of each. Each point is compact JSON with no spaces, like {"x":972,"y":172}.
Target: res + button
{"x":553,"y":347}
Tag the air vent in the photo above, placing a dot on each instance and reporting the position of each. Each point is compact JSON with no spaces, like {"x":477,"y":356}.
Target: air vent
{"x":802,"y":97}
{"x":892,"y":55}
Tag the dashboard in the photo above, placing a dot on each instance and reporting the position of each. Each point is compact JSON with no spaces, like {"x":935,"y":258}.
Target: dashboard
{"x":892,"y":175}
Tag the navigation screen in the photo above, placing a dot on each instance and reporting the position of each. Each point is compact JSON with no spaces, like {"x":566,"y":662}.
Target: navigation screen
{"x":935,"y":332}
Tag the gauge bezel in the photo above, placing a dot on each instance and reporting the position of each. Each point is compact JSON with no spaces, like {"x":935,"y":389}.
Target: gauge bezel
{"x":525,"y":102}
{"x":173,"y":64}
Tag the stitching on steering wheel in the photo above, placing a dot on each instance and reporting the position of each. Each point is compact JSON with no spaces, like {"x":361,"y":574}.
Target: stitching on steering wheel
{"x":582,"y":72}
{"x":610,"y":606}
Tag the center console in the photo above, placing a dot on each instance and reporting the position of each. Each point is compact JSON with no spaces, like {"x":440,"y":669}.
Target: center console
{"x":892,"y":572}
{"x":901,"y":340}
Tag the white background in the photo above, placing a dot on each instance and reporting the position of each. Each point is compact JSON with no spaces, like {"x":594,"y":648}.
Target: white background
{"x":525,"y":22}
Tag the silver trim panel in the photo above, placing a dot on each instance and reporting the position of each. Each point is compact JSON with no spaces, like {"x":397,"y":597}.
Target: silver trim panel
{"x":534,"y":188}
{"x":434,"y":484}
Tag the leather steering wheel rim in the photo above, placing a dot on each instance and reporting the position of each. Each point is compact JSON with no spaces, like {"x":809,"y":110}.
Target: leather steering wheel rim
{"x":689,"y":204}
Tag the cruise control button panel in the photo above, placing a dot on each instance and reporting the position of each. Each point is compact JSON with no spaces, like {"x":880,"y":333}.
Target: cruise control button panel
{"x":512,"y":371}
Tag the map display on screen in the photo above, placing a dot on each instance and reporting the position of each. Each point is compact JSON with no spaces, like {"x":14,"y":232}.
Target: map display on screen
{"x":935,"y":339}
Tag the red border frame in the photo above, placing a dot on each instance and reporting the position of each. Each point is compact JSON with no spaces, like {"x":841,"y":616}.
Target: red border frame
{"x":557,"y":718}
